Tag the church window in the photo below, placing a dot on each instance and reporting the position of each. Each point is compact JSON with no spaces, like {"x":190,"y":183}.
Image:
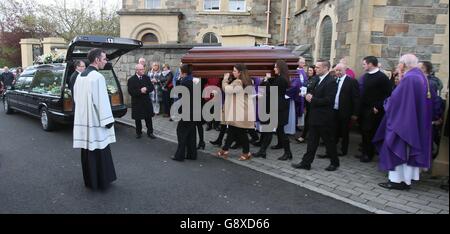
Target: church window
{"x":237,"y":5}
{"x":326,"y":32}
{"x":210,"y":38}
{"x":150,"y":38}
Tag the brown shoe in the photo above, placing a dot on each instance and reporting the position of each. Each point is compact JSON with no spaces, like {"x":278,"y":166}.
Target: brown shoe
{"x":222,"y":154}
{"x":245,"y":157}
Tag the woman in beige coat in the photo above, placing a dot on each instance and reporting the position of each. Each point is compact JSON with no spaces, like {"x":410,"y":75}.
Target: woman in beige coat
{"x":239,"y":110}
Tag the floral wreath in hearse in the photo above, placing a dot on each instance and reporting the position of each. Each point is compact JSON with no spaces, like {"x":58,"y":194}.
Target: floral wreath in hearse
{"x":52,"y":57}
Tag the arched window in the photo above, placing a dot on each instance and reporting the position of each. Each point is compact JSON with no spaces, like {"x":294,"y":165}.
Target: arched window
{"x":210,"y":38}
{"x":326,"y":32}
{"x":150,"y":38}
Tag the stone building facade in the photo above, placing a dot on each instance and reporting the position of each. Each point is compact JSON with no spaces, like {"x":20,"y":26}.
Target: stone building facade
{"x":383,"y":28}
{"x":315,"y":28}
{"x":330,"y":29}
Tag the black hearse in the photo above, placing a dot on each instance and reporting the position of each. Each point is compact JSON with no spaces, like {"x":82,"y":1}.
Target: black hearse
{"x":42,"y":90}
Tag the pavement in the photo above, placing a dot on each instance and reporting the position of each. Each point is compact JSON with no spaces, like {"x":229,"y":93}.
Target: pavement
{"x":354,"y":182}
{"x":41,"y":173}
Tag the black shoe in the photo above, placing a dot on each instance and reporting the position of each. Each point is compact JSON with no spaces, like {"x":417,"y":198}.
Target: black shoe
{"x":201,"y":145}
{"x":138,"y":136}
{"x":235,"y":146}
{"x":322,"y":156}
{"x":190,"y":158}
{"x":286,"y":156}
{"x":216,"y":143}
{"x":365,"y":159}
{"x":341,"y":154}
{"x":276,"y":147}
{"x":397,"y":186}
{"x":331,"y":168}
{"x":259,"y":155}
{"x":301,"y":166}
{"x":176,"y":159}
{"x":151,"y":136}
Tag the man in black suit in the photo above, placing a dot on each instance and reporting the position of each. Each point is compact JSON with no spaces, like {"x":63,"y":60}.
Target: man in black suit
{"x":321,"y":121}
{"x":80,"y":66}
{"x":139,"y":87}
{"x":346,"y":105}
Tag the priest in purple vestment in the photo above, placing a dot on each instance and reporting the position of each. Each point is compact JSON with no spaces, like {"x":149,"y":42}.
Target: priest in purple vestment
{"x":403,"y":138}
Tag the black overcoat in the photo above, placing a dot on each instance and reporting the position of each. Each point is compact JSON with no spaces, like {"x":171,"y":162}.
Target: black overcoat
{"x":141,"y":105}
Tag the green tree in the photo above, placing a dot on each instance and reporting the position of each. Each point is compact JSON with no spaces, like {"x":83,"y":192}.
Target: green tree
{"x":30,"y":19}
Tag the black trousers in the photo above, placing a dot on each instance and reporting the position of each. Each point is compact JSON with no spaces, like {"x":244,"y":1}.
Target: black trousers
{"x":148,"y":123}
{"x":327,"y":134}
{"x":306,"y":125}
{"x":223,"y":130}
{"x":266,"y":139}
{"x":98,"y":168}
{"x":283,"y":139}
{"x":253,"y":134}
{"x":201,"y":135}
{"x":369,"y":125}
{"x":238,"y":134}
{"x":166,"y":102}
{"x":342,"y":131}
{"x":187,"y":140}
{"x":367,"y":147}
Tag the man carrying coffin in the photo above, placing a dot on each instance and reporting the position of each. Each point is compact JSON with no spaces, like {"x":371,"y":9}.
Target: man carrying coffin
{"x":93,"y":124}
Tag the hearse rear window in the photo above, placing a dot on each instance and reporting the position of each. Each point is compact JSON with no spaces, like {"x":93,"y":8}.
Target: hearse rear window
{"x":111,"y":83}
{"x":47,"y":82}
{"x":84,"y":50}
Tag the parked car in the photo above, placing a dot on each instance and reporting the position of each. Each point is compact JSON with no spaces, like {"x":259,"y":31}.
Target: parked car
{"x":42,"y":90}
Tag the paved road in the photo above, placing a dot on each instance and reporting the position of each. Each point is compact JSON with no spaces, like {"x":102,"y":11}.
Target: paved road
{"x":41,"y":173}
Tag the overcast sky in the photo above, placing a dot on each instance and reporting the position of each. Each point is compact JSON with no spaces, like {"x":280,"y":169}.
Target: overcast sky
{"x":95,"y":3}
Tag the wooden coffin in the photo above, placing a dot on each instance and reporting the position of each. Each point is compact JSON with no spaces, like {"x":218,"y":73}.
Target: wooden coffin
{"x":213,"y":62}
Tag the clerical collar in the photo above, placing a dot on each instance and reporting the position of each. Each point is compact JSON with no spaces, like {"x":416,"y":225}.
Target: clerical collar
{"x":88,"y":70}
{"x":374,"y":71}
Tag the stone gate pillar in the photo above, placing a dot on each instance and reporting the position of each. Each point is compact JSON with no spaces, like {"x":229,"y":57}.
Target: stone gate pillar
{"x":26,"y":46}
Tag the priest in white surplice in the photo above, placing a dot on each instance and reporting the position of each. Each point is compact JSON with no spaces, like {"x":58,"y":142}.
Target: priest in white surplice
{"x":93,"y":124}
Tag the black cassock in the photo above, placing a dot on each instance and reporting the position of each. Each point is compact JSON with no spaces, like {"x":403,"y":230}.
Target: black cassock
{"x":98,"y":168}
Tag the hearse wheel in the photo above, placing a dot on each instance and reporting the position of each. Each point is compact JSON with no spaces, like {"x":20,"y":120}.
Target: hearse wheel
{"x":6,"y":106}
{"x":46,"y":122}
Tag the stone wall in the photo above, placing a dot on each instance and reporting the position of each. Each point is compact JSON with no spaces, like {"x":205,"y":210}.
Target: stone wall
{"x":409,"y":27}
{"x":170,"y":54}
{"x":383,"y":28}
{"x":303,"y":25}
